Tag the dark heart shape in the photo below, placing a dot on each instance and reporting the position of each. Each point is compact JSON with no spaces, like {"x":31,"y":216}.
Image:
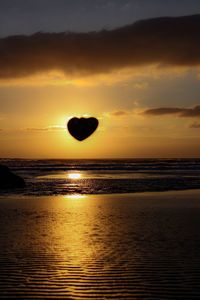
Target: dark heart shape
{"x":82,"y":128}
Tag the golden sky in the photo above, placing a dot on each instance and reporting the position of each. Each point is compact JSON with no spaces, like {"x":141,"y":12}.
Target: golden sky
{"x":146,"y":99}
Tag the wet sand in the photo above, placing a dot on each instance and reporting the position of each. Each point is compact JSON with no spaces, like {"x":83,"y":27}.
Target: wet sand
{"x":133,"y":246}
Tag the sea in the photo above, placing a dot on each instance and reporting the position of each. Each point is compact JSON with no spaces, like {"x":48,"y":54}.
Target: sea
{"x":101,"y":229}
{"x":104,"y":176}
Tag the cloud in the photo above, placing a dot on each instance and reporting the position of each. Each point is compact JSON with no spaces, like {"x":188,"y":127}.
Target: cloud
{"x":48,"y":128}
{"x":141,"y":85}
{"x":33,"y":129}
{"x":164,"y":41}
{"x":180,"y":112}
{"x":195,"y":125}
{"x":119,"y":113}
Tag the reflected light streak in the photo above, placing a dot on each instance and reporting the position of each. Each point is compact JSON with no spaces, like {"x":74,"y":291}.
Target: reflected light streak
{"x":74,"y":175}
{"x":75,"y":196}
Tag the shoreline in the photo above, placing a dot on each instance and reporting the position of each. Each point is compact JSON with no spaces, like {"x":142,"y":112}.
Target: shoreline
{"x":165,"y":192}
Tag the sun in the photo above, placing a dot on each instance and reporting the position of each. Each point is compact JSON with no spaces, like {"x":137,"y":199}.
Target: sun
{"x":74,"y":175}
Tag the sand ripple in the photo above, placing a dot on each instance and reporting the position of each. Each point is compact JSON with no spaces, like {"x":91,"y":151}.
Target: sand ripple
{"x":122,"y":247}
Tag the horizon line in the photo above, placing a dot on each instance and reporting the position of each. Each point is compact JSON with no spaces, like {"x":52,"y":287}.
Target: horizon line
{"x":108,"y":158}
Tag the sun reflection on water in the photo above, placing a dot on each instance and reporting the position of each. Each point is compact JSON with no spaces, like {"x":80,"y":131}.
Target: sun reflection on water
{"x":74,"y":175}
{"x":75,"y":196}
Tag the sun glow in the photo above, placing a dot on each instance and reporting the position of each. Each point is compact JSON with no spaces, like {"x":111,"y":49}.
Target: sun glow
{"x":74,"y":175}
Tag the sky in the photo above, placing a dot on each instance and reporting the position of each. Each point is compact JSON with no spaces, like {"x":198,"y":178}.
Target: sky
{"x":134,"y":65}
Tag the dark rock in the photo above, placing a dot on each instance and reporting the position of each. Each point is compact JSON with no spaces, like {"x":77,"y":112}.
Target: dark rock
{"x":9,"y":180}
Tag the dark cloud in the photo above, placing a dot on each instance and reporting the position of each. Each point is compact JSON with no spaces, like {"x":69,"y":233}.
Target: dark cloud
{"x":162,"y":111}
{"x":180,"y":112}
{"x":119,"y":113}
{"x":166,"y":41}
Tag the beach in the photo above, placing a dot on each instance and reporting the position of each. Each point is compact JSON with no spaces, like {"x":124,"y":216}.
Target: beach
{"x":116,"y":246}
{"x":100,"y":149}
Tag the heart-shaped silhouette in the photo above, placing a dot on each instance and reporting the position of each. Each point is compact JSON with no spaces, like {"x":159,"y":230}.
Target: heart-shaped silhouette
{"x":82,"y":128}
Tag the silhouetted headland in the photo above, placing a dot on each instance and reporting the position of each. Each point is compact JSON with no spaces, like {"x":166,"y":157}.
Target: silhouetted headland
{"x":9,"y":180}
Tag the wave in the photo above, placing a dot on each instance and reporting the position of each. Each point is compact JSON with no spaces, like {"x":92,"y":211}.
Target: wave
{"x":50,"y":177}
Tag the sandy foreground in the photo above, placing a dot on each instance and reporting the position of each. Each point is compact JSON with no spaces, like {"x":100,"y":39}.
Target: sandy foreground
{"x":128,"y":246}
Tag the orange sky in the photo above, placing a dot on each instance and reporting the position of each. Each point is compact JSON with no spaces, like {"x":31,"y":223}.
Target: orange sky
{"x":33,"y":118}
{"x":147,"y":105}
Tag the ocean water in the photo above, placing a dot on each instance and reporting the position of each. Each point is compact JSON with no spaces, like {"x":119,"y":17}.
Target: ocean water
{"x":80,"y":230}
{"x":60,"y":177}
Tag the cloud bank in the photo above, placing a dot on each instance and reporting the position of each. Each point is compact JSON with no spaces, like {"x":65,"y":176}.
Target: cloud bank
{"x":163,"y":41}
{"x":180,"y":112}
